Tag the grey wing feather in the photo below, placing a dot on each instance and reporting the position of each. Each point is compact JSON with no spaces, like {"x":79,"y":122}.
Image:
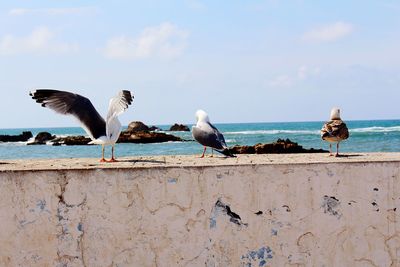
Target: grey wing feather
{"x":219,"y":135}
{"x":72,"y":104}
{"x":208,"y":138}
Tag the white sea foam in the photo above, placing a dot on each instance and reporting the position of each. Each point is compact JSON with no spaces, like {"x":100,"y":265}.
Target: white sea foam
{"x":376,"y":129}
{"x":275,"y":132}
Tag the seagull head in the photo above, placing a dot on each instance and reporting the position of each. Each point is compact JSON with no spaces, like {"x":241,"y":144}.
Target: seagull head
{"x":335,"y":114}
{"x":201,"y":115}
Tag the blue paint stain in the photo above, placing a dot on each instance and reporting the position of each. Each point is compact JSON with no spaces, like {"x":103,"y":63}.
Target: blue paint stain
{"x":172,"y":180}
{"x":260,"y":253}
{"x":213,"y":223}
{"x":80,"y":227}
{"x":261,"y":256}
{"x":41,"y":204}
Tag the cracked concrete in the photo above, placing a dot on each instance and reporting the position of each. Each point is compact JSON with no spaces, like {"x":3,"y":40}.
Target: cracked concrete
{"x":159,"y":214}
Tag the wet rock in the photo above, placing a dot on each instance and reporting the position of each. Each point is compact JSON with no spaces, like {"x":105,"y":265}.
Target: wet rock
{"x":179,"y":128}
{"x":279,"y":147}
{"x":16,"y":138}
{"x":145,"y":137}
{"x":154,"y":128}
{"x":71,"y":141}
{"x":42,"y":138}
{"x":136,"y":126}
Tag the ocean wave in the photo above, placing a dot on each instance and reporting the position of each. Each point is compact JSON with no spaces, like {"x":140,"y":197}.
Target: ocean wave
{"x":376,"y":129}
{"x":275,"y":132}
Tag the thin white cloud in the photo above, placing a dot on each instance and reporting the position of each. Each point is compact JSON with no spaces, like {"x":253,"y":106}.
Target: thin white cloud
{"x":304,"y":73}
{"x":281,"y":81}
{"x":52,"y":11}
{"x":163,"y":41}
{"x":329,"y":33}
{"x":40,"y":40}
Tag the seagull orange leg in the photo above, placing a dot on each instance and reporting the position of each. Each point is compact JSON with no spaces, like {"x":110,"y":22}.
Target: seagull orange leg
{"x":204,"y":151}
{"x":337,"y":150}
{"x":330,"y":150}
{"x":112,"y":155}
{"x":102,"y":154}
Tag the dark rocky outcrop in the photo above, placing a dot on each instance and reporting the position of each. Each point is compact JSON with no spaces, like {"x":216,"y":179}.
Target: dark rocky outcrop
{"x":71,"y":141}
{"x":154,"y":128}
{"x":179,"y":128}
{"x":16,"y":138}
{"x":279,"y":147}
{"x":145,"y":137}
{"x":136,"y":126}
{"x":42,"y":138}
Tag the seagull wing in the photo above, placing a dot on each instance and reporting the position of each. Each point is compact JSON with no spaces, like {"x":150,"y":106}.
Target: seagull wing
{"x":72,"y":104}
{"x":335,"y":128}
{"x":219,"y":135}
{"x":117,"y":106}
{"x":207,"y":135}
{"x":119,"y":103}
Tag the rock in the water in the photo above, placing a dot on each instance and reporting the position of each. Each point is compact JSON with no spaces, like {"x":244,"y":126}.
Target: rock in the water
{"x":154,"y":128}
{"x":279,"y":147}
{"x":71,"y":141}
{"x":242,"y":149}
{"x":179,"y":127}
{"x":135,"y":126}
{"x":16,"y":138}
{"x":42,"y":138}
{"x":146,"y":137}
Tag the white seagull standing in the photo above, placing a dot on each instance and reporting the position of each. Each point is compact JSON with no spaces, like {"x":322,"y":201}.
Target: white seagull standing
{"x":102,"y":132}
{"x":334,"y":130}
{"x":208,"y":135}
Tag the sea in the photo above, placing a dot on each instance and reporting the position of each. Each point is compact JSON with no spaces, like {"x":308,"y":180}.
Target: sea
{"x":365,"y":136}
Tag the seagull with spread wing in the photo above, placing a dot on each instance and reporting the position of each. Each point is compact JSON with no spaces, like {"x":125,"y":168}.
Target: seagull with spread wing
{"x":102,"y":132}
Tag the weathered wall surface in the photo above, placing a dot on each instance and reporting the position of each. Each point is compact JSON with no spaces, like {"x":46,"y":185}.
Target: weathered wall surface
{"x":326,"y":214}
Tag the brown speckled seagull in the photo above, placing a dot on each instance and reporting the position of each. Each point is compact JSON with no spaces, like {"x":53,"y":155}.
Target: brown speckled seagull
{"x":334,"y":130}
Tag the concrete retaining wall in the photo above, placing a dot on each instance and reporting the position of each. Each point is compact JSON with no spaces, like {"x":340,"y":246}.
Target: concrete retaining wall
{"x":340,"y":212}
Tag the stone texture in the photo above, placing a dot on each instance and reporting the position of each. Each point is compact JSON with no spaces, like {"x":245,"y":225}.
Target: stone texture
{"x":254,"y":210}
{"x":179,"y":127}
{"x":79,"y":140}
{"x":23,"y":137}
{"x":136,"y":126}
{"x":145,"y":137}
{"x":280,"y":146}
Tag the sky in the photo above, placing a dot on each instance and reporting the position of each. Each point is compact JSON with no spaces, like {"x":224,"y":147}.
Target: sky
{"x":241,"y":61}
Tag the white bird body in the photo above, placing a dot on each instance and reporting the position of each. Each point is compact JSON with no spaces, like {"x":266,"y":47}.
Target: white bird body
{"x":102,"y":132}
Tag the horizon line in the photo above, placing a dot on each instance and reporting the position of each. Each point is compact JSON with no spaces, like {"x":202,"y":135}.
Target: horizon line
{"x":220,"y":123}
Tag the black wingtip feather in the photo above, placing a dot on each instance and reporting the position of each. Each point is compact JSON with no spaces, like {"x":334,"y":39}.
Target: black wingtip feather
{"x":227,"y":153}
{"x":128,"y":96}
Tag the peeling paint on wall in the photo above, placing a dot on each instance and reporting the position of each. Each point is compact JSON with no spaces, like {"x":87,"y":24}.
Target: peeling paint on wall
{"x":331,"y":205}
